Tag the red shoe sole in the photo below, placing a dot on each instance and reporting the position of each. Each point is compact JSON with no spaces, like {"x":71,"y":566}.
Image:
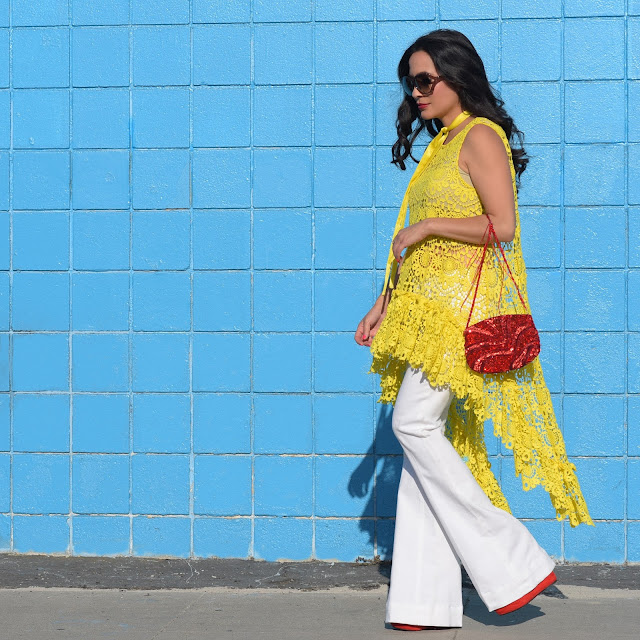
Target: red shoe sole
{"x":411,"y":627}
{"x":527,"y":597}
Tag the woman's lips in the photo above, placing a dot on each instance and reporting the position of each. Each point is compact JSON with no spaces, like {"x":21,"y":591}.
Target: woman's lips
{"x":422,"y":106}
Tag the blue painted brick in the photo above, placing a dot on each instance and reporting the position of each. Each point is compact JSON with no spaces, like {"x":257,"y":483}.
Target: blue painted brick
{"x":100,"y":483}
{"x":633,"y":302}
{"x":221,"y":240}
{"x":633,"y":425}
{"x":541,"y":181}
{"x":40,"y":483}
{"x":4,"y":301}
{"x":548,"y":535}
{"x":282,"y":117}
{"x":206,"y":11}
{"x":634,"y":107}
{"x":633,"y":541}
{"x":40,"y":57}
{"x":100,"y":239}
{"x":100,"y":301}
{"x":343,"y":177}
{"x":101,"y":118}
{"x":405,"y":10}
{"x":332,"y":411}
{"x":282,"y":177}
{"x":100,"y":535}
{"x":283,"y":539}
{"x":282,"y":424}
{"x":353,"y":290}
{"x":4,"y":360}
{"x":38,"y":14}
{"x":5,"y":421}
{"x":352,"y":247}
{"x":101,"y":179}
{"x":87,"y":12}
{"x":580,"y":108}
{"x":161,"y":536}
{"x":40,"y":301}
{"x":4,"y":180}
{"x":282,"y":362}
{"x":221,"y":362}
{"x":592,"y":8}
{"x":221,"y":423}
{"x":40,"y":362}
{"x":344,"y":52}
{"x":160,"y":484}
{"x":541,"y":236}
{"x":40,"y":179}
{"x":111,"y":351}
{"x":594,"y":48}
{"x":344,"y":115}
{"x":282,"y":486}
{"x":222,"y":54}
{"x":336,"y":10}
{"x":594,"y":300}
{"x":467,"y":9}
{"x":634,"y":168}
{"x":222,"y":301}
{"x":100,"y":57}
{"x":222,"y":537}
{"x":633,"y":48}
{"x":161,"y":117}
{"x":633,"y":360}
{"x":594,"y":174}
{"x":101,"y":423}
{"x":385,"y":225}
{"x":593,"y":425}
{"x":594,"y":362}
{"x":161,"y":55}
{"x":161,"y":423}
{"x":282,"y":301}
{"x":5,"y":118}
{"x":531,"y":9}
{"x":278,"y":64}
{"x":281,"y":11}
{"x":602,"y":543}
{"x":531,"y":49}
{"x":234,"y":190}
{"x":40,"y":118}
{"x":594,"y":237}
{"x":41,"y":241}
{"x":387,"y":100}
{"x":222,"y":485}
{"x":4,"y":60}
{"x":603,"y":485}
{"x":524,"y":503}
{"x":388,"y":477}
{"x":270,"y":227}
{"x":161,"y":240}
{"x":4,"y":240}
{"x":543,"y":288}
{"x":221,"y":116}
{"x":346,"y":540}
{"x":41,"y":534}
{"x":332,"y":478}
{"x":355,"y":362}
{"x":161,"y":362}
{"x":160,"y":178}
{"x":41,"y":422}
{"x":519,"y":98}
{"x":160,"y":11}
{"x":633,"y":508}
{"x":161,"y":301}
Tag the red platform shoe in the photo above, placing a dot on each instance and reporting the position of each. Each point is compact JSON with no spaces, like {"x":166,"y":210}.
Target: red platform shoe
{"x":412,"y":627}
{"x":527,"y":597}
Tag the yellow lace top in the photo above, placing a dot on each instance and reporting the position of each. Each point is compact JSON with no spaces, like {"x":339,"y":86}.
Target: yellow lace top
{"x":424,"y":327}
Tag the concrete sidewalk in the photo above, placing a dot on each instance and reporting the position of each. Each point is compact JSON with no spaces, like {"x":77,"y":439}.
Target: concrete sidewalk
{"x":151,"y":598}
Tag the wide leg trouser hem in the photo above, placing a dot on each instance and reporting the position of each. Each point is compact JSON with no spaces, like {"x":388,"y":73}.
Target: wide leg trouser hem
{"x":434,"y":615}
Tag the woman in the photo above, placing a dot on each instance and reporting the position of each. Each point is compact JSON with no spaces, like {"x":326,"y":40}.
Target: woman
{"x":450,"y":507}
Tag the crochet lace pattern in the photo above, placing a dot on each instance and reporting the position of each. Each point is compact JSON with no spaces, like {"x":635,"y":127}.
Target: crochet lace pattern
{"x":424,"y":327}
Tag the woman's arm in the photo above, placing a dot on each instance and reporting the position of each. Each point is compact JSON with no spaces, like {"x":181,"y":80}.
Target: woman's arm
{"x":490,"y":173}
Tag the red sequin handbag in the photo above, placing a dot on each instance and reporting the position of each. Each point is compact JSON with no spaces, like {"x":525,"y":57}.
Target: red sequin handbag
{"x":503,"y":342}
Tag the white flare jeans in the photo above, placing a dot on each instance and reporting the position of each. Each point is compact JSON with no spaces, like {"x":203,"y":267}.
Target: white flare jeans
{"x":444,"y":519}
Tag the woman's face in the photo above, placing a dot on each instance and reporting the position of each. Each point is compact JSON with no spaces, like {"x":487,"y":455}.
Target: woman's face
{"x":443,"y":101}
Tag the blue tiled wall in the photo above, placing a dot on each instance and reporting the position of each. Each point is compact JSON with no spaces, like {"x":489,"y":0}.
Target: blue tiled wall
{"x":196,"y":204}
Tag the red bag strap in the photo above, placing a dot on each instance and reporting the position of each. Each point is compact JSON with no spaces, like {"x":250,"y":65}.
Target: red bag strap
{"x":476,"y":277}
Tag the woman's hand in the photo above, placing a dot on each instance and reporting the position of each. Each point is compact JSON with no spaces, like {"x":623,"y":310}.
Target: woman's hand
{"x":408,"y":236}
{"x":370,"y":324}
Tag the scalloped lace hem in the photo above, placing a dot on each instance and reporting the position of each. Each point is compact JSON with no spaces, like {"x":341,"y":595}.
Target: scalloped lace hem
{"x":517,"y":402}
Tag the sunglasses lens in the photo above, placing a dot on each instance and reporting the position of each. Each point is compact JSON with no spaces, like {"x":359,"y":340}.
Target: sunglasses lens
{"x":422,"y":81}
{"x":407,"y":85}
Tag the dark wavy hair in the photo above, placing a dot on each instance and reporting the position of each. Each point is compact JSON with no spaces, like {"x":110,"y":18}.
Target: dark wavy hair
{"x":457,"y":60}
